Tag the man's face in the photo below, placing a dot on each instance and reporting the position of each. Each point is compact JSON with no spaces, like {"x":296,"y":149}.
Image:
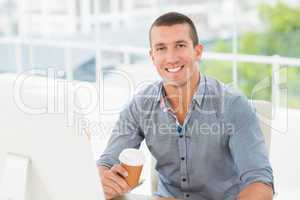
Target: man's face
{"x":173,"y":53}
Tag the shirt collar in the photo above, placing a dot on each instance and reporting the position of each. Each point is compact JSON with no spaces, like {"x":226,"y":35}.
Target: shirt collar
{"x":164,"y":103}
{"x":159,"y":92}
{"x":201,"y":90}
{"x":198,"y":96}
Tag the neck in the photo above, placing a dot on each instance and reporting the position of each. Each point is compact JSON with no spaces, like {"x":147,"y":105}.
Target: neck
{"x":181,"y":96}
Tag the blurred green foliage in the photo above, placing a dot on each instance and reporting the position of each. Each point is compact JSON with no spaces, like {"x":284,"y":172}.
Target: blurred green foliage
{"x":280,"y":36}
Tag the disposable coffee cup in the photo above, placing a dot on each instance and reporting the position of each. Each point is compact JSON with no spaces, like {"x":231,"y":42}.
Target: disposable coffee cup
{"x":132,"y":160}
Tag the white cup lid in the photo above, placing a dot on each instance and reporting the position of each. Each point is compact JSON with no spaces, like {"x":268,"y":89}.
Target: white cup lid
{"x":132,"y":157}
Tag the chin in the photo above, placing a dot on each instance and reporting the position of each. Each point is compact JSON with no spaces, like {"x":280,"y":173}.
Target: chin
{"x":175,"y":83}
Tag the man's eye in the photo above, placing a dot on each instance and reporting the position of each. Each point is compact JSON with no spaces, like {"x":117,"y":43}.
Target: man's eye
{"x":180,"y":45}
{"x":160,"y":48}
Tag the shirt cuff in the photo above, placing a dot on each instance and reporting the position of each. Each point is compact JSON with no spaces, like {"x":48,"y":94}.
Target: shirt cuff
{"x":107,"y":162}
{"x":259,"y":180}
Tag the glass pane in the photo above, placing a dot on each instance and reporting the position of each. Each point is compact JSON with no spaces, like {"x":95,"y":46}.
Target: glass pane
{"x":84,"y":65}
{"x":8,"y":17}
{"x":293,"y":83}
{"x":42,"y":59}
{"x":276,"y":32}
{"x":7,"y":58}
{"x":255,"y":80}
{"x":220,"y":70}
{"x":49,"y":57}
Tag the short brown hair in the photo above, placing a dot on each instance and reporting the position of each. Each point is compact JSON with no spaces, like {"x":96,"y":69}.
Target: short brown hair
{"x":173,"y":18}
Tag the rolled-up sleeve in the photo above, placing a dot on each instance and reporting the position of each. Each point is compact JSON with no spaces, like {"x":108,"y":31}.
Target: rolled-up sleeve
{"x":126,"y":134}
{"x":247,"y":145}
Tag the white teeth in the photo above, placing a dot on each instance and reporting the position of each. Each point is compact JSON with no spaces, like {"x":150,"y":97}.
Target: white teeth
{"x":174,"y":69}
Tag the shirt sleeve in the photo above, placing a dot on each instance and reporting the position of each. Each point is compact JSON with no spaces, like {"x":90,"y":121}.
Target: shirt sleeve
{"x":126,"y":134}
{"x":247,"y":145}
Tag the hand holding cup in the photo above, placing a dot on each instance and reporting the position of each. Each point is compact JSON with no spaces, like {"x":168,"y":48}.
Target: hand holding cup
{"x":132,"y":160}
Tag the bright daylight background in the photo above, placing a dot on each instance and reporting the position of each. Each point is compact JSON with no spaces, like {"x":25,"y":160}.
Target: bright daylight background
{"x":253,"y":45}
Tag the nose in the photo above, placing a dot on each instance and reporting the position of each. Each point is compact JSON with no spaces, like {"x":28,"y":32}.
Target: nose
{"x":172,"y":57}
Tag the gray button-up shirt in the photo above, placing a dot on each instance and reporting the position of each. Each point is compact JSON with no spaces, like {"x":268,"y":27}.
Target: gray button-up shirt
{"x":213,"y":155}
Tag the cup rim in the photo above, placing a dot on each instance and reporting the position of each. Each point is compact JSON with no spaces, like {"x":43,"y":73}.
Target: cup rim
{"x":126,"y":157}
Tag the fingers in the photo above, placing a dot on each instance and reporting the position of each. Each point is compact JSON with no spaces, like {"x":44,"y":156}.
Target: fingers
{"x":109,"y":192}
{"x":111,"y":188}
{"x":113,"y":181}
{"x":120,"y":169}
{"x":114,"y":186}
{"x":117,"y":171}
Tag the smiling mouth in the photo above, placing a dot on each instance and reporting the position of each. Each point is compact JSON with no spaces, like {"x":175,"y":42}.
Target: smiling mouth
{"x":174,"y":70}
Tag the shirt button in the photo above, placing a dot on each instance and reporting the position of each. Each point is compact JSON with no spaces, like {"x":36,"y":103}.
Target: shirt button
{"x":183,"y":179}
{"x":182,"y":158}
{"x":187,"y":195}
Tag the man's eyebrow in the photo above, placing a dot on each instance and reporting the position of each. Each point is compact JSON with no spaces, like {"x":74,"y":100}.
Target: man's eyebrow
{"x":181,"y":41}
{"x":177,"y":42}
{"x":159,"y":44}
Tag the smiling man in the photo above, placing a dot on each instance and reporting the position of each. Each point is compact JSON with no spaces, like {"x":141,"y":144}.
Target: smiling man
{"x":205,"y":136}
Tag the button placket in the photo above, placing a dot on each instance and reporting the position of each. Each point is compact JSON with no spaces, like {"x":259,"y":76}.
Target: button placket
{"x":182,"y":156}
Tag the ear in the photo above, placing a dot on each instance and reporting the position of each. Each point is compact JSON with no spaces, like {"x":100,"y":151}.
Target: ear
{"x":198,"y":51}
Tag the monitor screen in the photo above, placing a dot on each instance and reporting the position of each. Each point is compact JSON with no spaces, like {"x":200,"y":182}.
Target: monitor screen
{"x":42,"y":155}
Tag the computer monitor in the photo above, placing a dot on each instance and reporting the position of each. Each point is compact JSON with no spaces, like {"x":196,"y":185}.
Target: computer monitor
{"x":41,"y":157}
